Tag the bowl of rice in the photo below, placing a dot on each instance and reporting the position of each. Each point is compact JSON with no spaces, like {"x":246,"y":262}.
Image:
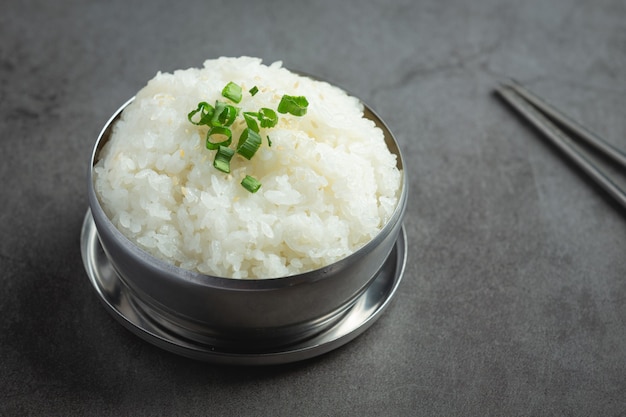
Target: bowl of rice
{"x":243,"y":205}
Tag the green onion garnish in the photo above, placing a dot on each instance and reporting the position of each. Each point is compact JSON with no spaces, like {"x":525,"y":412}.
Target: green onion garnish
{"x":206,"y":113}
{"x":218,"y":131}
{"x":251,"y":184}
{"x":267,"y":117}
{"x":222,"y":158}
{"x":249,"y":143}
{"x":223,"y":115}
{"x":295,"y":105}
{"x":232,"y":92}
{"x":250,"y":122}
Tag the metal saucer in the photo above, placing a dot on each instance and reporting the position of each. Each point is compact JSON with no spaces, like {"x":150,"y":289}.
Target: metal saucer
{"x":120,"y":303}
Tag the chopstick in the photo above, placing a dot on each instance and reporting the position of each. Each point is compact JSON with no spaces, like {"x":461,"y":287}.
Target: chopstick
{"x":582,"y":132}
{"x":536,"y":111}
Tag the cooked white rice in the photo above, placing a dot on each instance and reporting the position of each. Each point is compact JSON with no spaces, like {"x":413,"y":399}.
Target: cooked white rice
{"x":329,"y":183}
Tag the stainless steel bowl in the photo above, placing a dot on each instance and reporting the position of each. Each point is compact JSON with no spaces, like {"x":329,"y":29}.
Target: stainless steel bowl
{"x":244,"y":315}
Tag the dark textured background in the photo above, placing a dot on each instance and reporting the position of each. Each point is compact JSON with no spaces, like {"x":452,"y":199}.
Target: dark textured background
{"x":514,"y":298}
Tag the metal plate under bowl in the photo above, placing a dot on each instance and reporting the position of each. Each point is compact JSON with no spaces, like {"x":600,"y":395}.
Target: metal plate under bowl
{"x":120,"y":303}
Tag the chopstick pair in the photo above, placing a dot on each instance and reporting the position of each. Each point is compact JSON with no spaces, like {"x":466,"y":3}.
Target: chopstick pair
{"x":546,"y":118}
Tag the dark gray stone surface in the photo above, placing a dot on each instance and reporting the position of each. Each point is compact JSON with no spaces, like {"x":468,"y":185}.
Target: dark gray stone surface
{"x":514,"y":299}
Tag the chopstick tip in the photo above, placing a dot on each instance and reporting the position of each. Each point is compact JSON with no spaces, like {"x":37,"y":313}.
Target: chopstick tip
{"x":502,"y":89}
{"x":511,"y":83}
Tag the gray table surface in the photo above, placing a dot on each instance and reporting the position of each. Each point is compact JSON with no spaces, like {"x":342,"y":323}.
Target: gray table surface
{"x":514,"y":297}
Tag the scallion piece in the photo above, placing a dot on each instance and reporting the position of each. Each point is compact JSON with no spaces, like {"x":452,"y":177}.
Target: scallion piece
{"x":232,"y":92}
{"x":267,"y":117}
{"x":253,"y":90}
{"x":249,"y":143}
{"x":269,"y":141}
{"x":206,"y":113}
{"x":224,"y":114}
{"x":222,"y":158}
{"x":218,"y":131}
{"x":296,"y":105}
{"x":250,"y":122}
{"x":251,"y":184}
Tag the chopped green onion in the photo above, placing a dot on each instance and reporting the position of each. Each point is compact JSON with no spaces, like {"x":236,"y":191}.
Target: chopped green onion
{"x":224,"y":114}
{"x":251,"y":184}
{"x":296,"y":105}
{"x":232,"y":91}
{"x":222,"y":158}
{"x":206,"y":113}
{"x":218,"y":131}
{"x":267,"y":117}
{"x":249,"y":143}
{"x":250,"y":122}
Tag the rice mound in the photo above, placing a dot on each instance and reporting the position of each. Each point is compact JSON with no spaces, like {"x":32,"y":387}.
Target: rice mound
{"x":329,"y":182}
